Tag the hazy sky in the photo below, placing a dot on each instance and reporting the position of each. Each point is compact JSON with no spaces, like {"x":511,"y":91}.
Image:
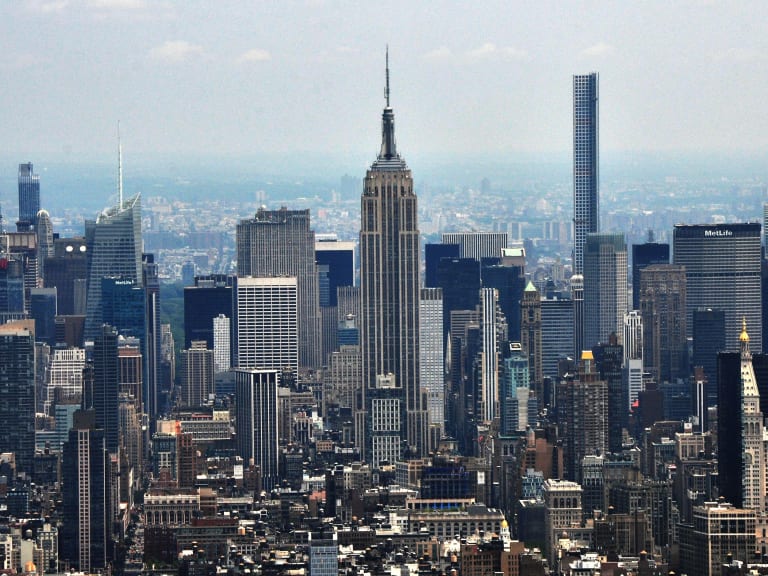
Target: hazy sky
{"x":245,"y":78}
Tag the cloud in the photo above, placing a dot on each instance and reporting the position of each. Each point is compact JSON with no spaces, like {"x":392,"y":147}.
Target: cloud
{"x":50,"y":7}
{"x":254,"y":55}
{"x":738,"y":55}
{"x":173,"y":51}
{"x":441,"y":53}
{"x":490,"y":50}
{"x":600,"y":49}
{"x":117,"y":4}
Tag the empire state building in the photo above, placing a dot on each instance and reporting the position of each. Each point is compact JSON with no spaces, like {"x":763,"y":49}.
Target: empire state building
{"x":391,"y":420}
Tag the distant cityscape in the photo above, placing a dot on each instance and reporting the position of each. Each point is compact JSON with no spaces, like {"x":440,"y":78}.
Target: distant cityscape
{"x":388,"y":376}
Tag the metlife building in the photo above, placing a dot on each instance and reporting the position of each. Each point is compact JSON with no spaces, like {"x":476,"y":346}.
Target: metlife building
{"x":722,"y":268}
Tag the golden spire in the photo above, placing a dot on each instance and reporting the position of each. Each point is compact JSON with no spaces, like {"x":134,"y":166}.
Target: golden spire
{"x":744,"y":337}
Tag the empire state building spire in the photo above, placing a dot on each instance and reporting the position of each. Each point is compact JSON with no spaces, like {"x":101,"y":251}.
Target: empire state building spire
{"x":388,"y":156}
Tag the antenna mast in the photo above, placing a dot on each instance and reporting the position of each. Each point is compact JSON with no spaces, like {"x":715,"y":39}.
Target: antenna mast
{"x":386,"y":90}
{"x":119,"y":168}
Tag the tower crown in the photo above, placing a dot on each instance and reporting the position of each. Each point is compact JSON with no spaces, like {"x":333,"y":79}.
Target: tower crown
{"x":388,"y":158}
{"x":744,"y":337}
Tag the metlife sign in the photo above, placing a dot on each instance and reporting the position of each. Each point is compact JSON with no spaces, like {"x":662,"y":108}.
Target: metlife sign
{"x":718,"y":233}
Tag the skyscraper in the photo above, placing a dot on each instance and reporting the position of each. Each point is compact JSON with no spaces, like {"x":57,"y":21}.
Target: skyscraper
{"x":221,"y":344}
{"x":586,"y":173}
{"x":605,"y":287}
{"x":17,"y":394}
{"x":389,"y":327}
{"x":431,"y":356}
{"x":67,"y":271}
{"x":722,"y":267}
{"x":662,"y":305}
{"x":477,"y":245}
{"x":256,"y":421}
{"x":114,"y":249}
{"x":208,"y":298}
{"x":29,"y":197}
{"x":644,"y":255}
{"x":752,"y":431}
{"x":44,"y":231}
{"x":281,"y":243}
{"x":530,"y":333}
{"x":104,"y":386}
{"x":708,"y":341}
{"x":267,"y":329}
{"x":197,"y":366}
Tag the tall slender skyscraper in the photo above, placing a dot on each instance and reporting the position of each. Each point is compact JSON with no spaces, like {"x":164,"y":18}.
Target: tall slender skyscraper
{"x":113,"y":243}
{"x":29,"y":197}
{"x":586,"y":176}
{"x":389,"y":327}
{"x":17,"y":393}
{"x":281,"y":243}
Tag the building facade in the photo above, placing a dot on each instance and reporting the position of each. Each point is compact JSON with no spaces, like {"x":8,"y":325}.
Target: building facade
{"x":605,"y":287}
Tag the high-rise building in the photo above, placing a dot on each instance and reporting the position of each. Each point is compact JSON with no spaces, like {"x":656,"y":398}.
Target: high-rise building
{"x":197,"y":366}
{"x":633,"y":335}
{"x":210,"y":296}
{"x":152,"y":339}
{"x":488,"y":393}
{"x":67,"y":270}
{"x":267,"y":323}
{"x":42,"y":307}
{"x":586,"y":166}
{"x":509,"y":282}
{"x":85,"y":532}
{"x":64,"y":378}
{"x":44,"y":231}
{"x":256,"y":422}
{"x":609,"y":357}
{"x":477,"y":245}
{"x":644,"y":255}
{"x":708,"y":341}
{"x":339,"y":258}
{"x":17,"y":394}
{"x":102,"y":391}
{"x":431,"y":356}
{"x":113,"y":243}
{"x":663,"y":308}
{"x":29,"y":197}
{"x":389,"y":327}
{"x":281,"y":243}
{"x":459,"y":279}
{"x":531,"y":335}
{"x":752,"y":432}
{"x":514,"y":391}
{"x":221,"y":344}
{"x":722,"y":267}
{"x":556,"y":334}
{"x":605,"y":287}
{"x":433,"y":253}
{"x":577,"y":296}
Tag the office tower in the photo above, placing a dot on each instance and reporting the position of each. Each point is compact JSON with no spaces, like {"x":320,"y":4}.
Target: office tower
{"x":577,"y":296}
{"x":584,"y":402}
{"x":530,"y":335}
{"x":722,"y":267}
{"x":556,"y":334}
{"x":267,"y":323}
{"x":562,"y":511}
{"x":12,"y":297}
{"x":281,"y":243}
{"x":477,"y":245}
{"x":101,"y":393}
{"x":323,"y":554}
{"x":29,"y":197}
{"x":343,"y":378}
{"x":662,"y":306}
{"x":152,"y":339}
{"x":514,"y":391}
{"x":122,"y":301}
{"x":339,"y":258}
{"x":85,"y":540}
{"x":605,"y":287}
{"x":644,"y":255}
{"x":609,"y":357}
{"x":256,"y":424}
{"x":197,"y":375}
{"x":389,"y":322}
{"x":221,"y":344}
{"x":130,"y":373}
{"x":42,"y":307}
{"x":44,"y":231}
{"x":433,"y":253}
{"x":509,"y":281}
{"x":488,"y":393}
{"x":633,"y":335}
{"x":64,"y":378}
{"x":718,"y":534}
{"x":431,"y":356}
{"x":17,"y":394}
{"x":210,"y":296}
{"x":113,"y":243}
{"x":708,"y":341}
{"x":752,"y":432}
{"x":586,"y":166}
{"x":459,"y":279}
{"x":63,"y":269}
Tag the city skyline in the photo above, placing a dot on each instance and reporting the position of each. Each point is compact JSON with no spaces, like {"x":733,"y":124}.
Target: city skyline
{"x":240,"y":81}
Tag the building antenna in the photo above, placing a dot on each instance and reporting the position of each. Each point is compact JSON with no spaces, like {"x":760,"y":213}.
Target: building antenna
{"x":386,"y":90}
{"x":119,"y":168}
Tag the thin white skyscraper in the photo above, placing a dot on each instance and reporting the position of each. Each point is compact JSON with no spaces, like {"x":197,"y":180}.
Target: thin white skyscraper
{"x":221,"y":344}
{"x":490,"y":357}
{"x":431,"y":356}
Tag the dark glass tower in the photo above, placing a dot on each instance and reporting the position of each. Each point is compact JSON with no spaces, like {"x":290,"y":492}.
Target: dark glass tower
{"x":29,"y":197}
{"x":17,"y":394}
{"x":392,"y":413}
{"x":104,"y":386}
{"x":433,"y":253}
{"x":644,"y":255}
{"x":586,"y":177}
